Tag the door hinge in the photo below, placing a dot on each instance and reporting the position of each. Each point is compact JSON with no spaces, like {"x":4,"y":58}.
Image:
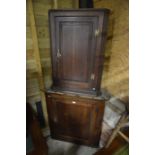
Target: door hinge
{"x":97,"y":32}
{"x":58,"y":53}
{"x":92,"y":77}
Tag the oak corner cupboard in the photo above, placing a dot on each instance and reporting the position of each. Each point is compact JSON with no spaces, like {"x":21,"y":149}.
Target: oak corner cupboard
{"x":77,"y":44}
{"x":74,"y":103}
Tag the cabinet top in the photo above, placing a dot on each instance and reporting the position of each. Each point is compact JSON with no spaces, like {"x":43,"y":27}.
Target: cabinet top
{"x":100,"y":97}
{"x":81,"y":10}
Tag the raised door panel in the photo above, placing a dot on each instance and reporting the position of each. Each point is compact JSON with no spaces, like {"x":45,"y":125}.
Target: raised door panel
{"x":67,"y":119}
{"x":75,"y":40}
{"x":66,"y":115}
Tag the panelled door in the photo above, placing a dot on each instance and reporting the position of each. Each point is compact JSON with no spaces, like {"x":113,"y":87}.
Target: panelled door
{"x":75,"y":119}
{"x":75,"y":47}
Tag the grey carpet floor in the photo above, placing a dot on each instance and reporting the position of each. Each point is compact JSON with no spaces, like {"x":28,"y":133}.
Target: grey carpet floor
{"x":57,"y":147}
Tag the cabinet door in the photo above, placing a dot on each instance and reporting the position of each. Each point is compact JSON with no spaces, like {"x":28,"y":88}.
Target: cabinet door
{"x":75,"y":120}
{"x":76,"y":49}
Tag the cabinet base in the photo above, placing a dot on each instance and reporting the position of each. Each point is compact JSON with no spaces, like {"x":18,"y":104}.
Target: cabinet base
{"x":74,"y":140}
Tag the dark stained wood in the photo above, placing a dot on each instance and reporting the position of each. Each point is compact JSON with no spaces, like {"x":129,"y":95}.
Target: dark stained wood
{"x":86,"y":4}
{"x":77,"y":44}
{"x":77,"y":53}
{"x":33,"y":128}
{"x":75,"y":119}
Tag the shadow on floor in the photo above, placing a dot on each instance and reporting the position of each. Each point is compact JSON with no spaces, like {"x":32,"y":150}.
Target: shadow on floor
{"x":57,"y":147}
